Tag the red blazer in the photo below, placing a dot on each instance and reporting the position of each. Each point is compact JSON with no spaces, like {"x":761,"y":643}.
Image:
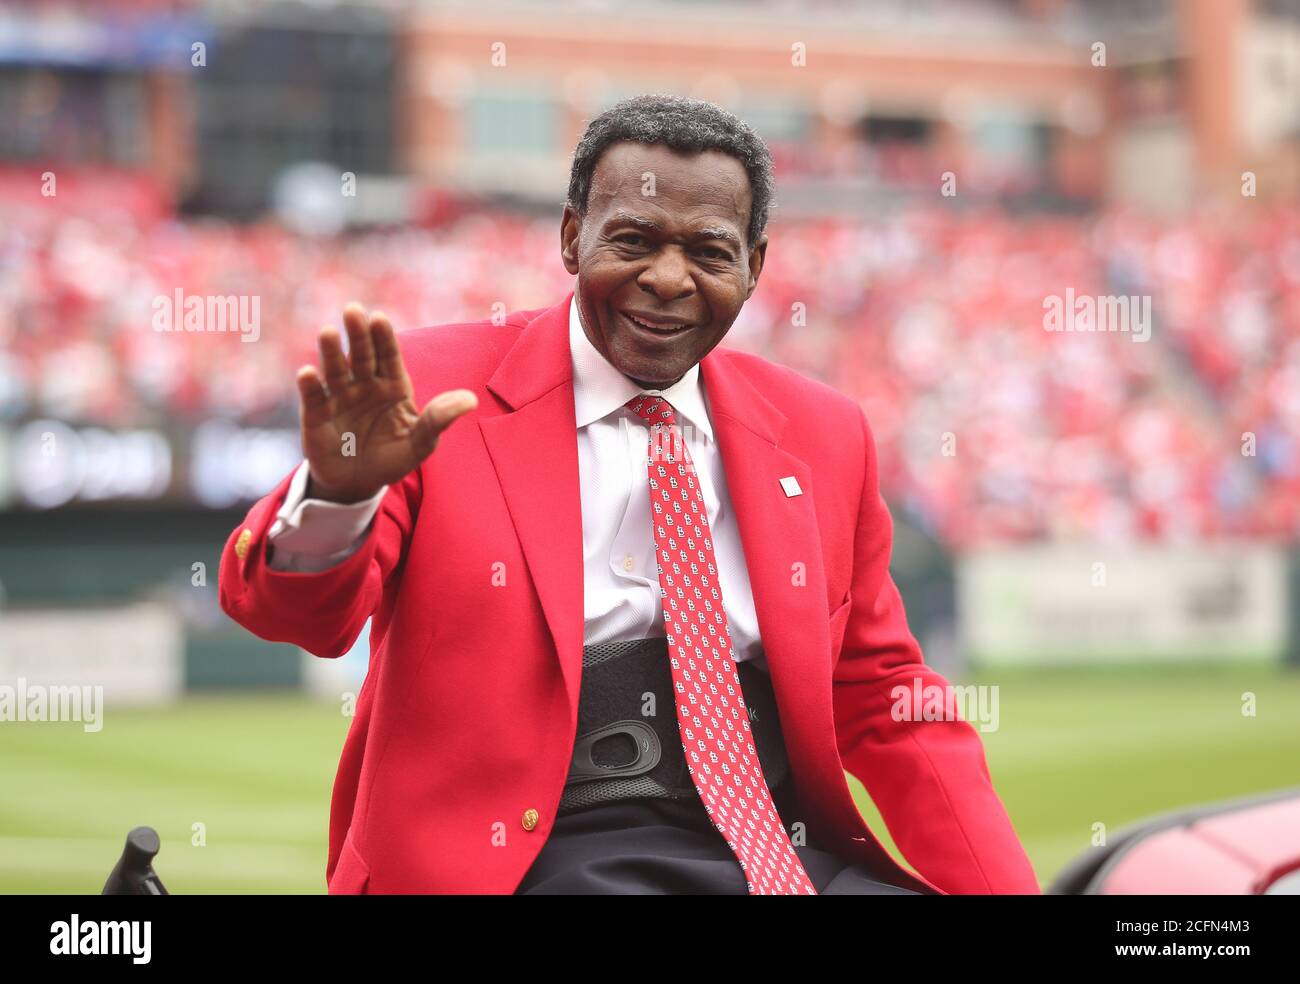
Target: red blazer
{"x":455,"y":761}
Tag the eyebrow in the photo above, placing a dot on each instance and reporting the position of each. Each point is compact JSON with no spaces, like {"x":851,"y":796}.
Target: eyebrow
{"x":711,"y":232}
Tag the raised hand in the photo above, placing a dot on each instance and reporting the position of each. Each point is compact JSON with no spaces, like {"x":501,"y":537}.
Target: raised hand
{"x":361,"y":429}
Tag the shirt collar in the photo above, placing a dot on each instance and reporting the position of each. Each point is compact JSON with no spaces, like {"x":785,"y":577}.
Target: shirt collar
{"x":599,"y":389}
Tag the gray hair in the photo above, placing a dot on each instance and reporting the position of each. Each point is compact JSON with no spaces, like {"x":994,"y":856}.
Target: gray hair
{"x":680,"y":124}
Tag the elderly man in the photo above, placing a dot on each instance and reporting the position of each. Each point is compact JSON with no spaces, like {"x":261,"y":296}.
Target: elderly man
{"x":632,"y":618}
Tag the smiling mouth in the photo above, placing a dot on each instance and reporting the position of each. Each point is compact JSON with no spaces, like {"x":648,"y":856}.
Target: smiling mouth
{"x":663,"y":331}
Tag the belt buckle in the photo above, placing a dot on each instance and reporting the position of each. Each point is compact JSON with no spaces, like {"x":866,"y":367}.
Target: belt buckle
{"x":583,"y":768}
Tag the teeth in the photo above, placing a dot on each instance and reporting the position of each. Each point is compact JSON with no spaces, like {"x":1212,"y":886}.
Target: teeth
{"x":653,"y":327}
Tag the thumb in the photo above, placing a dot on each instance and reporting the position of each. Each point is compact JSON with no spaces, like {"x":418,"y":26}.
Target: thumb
{"x":437,"y":416}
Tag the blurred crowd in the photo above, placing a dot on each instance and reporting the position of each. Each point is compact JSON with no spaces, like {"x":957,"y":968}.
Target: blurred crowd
{"x":989,"y":427}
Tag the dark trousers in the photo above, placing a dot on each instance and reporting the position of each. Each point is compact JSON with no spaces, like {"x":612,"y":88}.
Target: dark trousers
{"x":638,"y":844}
{"x":665,"y":847}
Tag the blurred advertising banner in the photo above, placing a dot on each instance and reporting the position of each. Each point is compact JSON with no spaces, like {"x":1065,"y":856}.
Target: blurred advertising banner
{"x":71,"y":663}
{"x":1071,"y":604}
{"x":122,"y":37}
{"x":45,"y":464}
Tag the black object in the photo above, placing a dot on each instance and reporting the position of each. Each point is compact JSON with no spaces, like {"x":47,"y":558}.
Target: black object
{"x":621,"y":754}
{"x":133,"y":874}
{"x":665,"y":847}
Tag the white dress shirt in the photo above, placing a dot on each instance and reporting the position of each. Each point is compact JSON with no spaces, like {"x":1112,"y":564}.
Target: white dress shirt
{"x":620,"y":581}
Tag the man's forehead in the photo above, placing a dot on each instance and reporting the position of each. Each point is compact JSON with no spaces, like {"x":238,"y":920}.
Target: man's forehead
{"x":708,"y":183}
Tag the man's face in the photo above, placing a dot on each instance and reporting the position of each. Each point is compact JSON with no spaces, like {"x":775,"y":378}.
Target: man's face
{"x":675,"y":258}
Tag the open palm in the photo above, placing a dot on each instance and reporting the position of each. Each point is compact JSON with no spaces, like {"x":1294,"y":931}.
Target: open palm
{"x":361,"y":429}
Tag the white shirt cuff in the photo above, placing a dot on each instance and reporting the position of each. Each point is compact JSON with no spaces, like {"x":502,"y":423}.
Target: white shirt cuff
{"x":312,"y":535}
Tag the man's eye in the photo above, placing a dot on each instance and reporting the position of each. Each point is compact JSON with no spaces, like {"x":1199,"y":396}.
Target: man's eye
{"x":640,"y":240}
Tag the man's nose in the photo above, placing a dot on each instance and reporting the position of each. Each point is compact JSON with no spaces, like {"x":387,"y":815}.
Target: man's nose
{"x":669,"y":274}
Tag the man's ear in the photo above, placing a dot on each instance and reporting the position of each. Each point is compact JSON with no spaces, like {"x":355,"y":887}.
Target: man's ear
{"x":570,"y":231}
{"x":757,"y":256}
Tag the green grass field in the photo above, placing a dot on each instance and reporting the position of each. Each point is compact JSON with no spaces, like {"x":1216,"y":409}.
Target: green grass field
{"x":256,"y":771}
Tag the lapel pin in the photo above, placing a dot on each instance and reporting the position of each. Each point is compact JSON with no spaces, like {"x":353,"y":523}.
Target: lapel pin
{"x":791,"y":486}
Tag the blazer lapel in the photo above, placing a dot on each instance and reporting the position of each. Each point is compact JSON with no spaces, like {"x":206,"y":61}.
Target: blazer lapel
{"x":783,"y":557}
{"x":534,"y":449}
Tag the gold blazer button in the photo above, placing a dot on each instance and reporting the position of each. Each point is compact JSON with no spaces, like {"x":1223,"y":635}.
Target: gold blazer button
{"x":530,"y":819}
{"x":241,"y":545}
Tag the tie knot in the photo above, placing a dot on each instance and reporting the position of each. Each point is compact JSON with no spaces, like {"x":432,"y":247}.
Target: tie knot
{"x":652,"y":409}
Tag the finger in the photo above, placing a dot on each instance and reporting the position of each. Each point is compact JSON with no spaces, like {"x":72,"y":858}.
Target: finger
{"x":437,"y":416}
{"x":361,"y":352}
{"x":388,"y":357}
{"x":315,"y":402}
{"x":337,"y":374}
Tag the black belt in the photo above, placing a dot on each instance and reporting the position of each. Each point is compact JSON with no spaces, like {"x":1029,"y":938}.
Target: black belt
{"x":628,"y":745}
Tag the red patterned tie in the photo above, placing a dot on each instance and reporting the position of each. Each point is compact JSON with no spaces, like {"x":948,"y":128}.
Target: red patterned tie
{"x":711,"y":714}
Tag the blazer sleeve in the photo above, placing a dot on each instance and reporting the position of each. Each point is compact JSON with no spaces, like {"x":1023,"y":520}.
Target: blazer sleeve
{"x":323,"y":612}
{"x":929,"y":779}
